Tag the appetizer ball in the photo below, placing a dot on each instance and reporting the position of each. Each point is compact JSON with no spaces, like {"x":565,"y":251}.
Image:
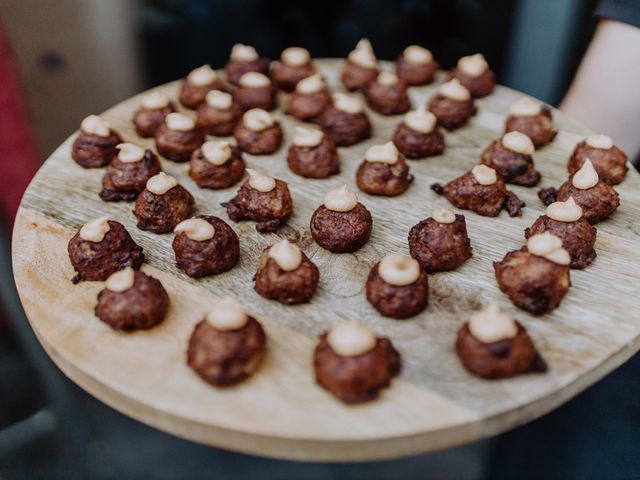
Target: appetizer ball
{"x":309,"y":99}
{"x":493,"y":345}
{"x":217,"y":164}
{"x":96,"y":143}
{"x":416,"y":66}
{"x":536,"y":277}
{"x":294,"y":65}
{"x":482,"y":191}
{"x":345,"y":121}
{"x":353,"y":364}
{"x":452,"y":105}
{"x":418,"y":135}
{"x":597,"y":199}
{"x":609,"y":161}
{"x":387,"y":94}
{"x":361,"y":66}
{"x":341,"y":224}
{"x":313,"y":154}
{"x":163,"y":204}
{"x":218,"y":115}
{"x":440,"y":243}
{"x":205,"y":245}
{"x":258,"y":133}
{"x":255,"y":91}
{"x":132,"y":301}
{"x":198,"y":83}
{"x":228,"y":346}
{"x":102,"y":247}
{"x":397,"y":287}
{"x":128,"y":173}
{"x":566,"y":221}
{"x":510,"y":157}
{"x":286,"y":274}
{"x":384,"y":171}
{"x":474,"y":73}
{"x":243,"y":59}
{"x":533,"y":119}
{"x":178,"y":137}
{"x":153,"y":109}
{"x":262,"y":199}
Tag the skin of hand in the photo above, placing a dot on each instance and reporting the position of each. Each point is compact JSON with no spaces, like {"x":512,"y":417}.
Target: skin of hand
{"x":605,"y":93}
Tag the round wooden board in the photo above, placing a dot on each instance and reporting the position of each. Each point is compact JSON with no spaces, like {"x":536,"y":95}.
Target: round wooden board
{"x":281,"y":412}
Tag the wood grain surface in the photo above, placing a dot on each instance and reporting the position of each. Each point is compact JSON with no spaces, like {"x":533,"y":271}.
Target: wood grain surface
{"x":280,"y":412}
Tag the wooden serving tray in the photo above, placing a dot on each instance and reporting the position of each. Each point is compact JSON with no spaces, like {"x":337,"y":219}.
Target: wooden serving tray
{"x":281,"y":412}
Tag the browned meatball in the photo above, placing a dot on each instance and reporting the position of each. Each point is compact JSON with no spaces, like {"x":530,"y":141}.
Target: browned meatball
{"x":379,"y":178}
{"x":344,"y":128}
{"x":539,"y":128}
{"x":208,"y":257}
{"x":397,"y":301}
{"x":308,"y":106}
{"x":611,"y":164}
{"x":161,"y":213}
{"x":235,"y":69}
{"x":98,"y":260}
{"x":387,"y":99}
{"x":356,"y":379}
{"x":502,"y":359}
{"x":578,"y":238}
{"x":178,"y":145}
{"x":513,"y":167}
{"x":533,"y":283}
{"x":451,"y":114}
{"x":286,"y":77}
{"x":416,"y":74}
{"x":226,"y":357}
{"x":487,"y":200}
{"x":270,"y":210}
{"x":414,"y":144}
{"x":320,"y":161}
{"x":219,"y":123}
{"x":252,"y":97}
{"x":264,"y":142}
{"x":141,"y":307}
{"x":147,"y":120}
{"x":125,"y":181}
{"x":440,"y":247}
{"x":192,"y":96}
{"x":598,"y":202}
{"x":478,"y":86}
{"x":209,"y":175}
{"x":288,"y":287}
{"x":355,"y":77}
{"x":94,"y":151}
{"x":341,"y":232}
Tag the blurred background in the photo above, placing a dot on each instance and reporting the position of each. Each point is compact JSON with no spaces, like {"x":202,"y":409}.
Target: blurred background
{"x":61,"y":60}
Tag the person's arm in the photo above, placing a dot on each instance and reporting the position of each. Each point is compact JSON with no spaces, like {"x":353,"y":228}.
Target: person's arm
{"x":605,"y":93}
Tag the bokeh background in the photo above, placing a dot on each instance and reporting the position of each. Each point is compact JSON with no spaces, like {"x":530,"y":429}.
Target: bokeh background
{"x":61,"y":60}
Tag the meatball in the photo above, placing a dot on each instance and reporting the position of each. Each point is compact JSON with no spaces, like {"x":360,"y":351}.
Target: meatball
{"x":501,"y":359}
{"x":213,"y":174}
{"x":309,"y":99}
{"x":341,"y":232}
{"x":147,"y":120}
{"x":611,"y":164}
{"x":160,"y":213}
{"x":416,"y":66}
{"x":320,"y":161}
{"x":226,"y":357}
{"x":200,"y":258}
{"x":345,"y":128}
{"x":387,"y":95}
{"x":263,"y":142}
{"x":598,"y":202}
{"x":255,"y":91}
{"x":533,"y":283}
{"x":356,"y":77}
{"x":488,"y":200}
{"x":539,"y":127}
{"x":381,"y":178}
{"x":482,"y":82}
{"x":95,"y":151}
{"x":286,"y":286}
{"x":397,"y":301}
{"x":450,"y":113}
{"x":270,"y":210}
{"x":294,"y":65}
{"x":125,"y":180}
{"x":178,"y":145}
{"x":440,"y":247}
{"x":413,"y":144}
{"x":98,"y":260}
{"x":193,"y":90}
{"x":235,"y":69}
{"x":578,"y":238}
{"x":140,"y":307}
{"x":514,"y":167}
{"x":217,"y":121}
